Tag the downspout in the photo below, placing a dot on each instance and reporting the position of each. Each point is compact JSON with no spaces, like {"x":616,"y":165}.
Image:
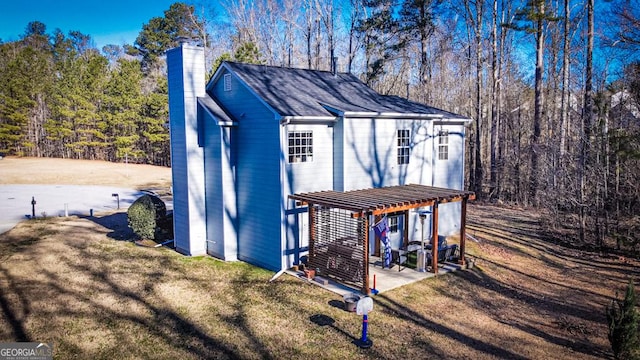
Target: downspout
{"x":283,"y":229}
{"x":464,"y":143}
{"x":433,"y":153}
{"x":164,"y":243}
{"x":277,"y":275}
{"x":433,"y":180}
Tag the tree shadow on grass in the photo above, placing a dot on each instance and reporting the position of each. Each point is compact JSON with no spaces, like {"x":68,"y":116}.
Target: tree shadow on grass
{"x":117,"y":223}
{"x":13,"y":317}
{"x":412,"y":316}
{"x":541,"y":303}
{"x":158,"y":318}
{"x":323,"y":320}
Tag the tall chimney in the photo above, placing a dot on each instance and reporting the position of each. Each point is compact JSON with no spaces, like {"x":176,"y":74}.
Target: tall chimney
{"x":186,"y":80}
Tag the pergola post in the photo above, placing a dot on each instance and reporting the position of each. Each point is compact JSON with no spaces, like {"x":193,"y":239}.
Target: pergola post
{"x":463,"y":230}
{"x":365,"y":273}
{"x":376,"y":243}
{"x":312,"y":232}
{"x":405,"y":233}
{"x":434,"y":239}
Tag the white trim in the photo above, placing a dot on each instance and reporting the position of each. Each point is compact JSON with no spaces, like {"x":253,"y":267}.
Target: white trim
{"x":464,"y":122}
{"x":286,"y":120}
{"x":391,"y":115}
{"x":283,"y":196}
{"x":302,"y":135}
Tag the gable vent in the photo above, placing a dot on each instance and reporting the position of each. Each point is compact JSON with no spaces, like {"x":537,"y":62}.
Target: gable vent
{"x":227,"y":82}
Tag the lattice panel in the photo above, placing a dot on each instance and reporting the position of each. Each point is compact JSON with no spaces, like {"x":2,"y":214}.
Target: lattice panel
{"x":338,"y":250}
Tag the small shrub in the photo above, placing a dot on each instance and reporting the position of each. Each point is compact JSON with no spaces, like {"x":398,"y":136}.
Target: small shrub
{"x":145,"y":214}
{"x":622,"y":318}
{"x":165,"y":226}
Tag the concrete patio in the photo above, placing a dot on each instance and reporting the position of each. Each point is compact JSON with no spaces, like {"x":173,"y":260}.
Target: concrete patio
{"x":385,"y":279}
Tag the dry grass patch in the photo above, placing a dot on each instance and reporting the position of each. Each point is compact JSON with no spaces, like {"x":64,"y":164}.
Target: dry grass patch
{"x":68,"y":281}
{"x":28,"y":170}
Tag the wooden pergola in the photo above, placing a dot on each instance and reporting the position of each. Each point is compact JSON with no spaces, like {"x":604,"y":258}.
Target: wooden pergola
{"x":380,"y":201}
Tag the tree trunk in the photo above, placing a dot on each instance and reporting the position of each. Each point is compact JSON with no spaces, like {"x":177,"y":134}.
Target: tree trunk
{"x":494,"y":101}
{"x":586,"y":120}
{"x":564,"y":105}
{"x":537,"y":114}
{"x":479,"y":121}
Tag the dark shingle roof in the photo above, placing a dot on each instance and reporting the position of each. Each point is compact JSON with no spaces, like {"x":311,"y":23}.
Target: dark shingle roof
{"x":214,"y":109}
{"x":301,"y":92}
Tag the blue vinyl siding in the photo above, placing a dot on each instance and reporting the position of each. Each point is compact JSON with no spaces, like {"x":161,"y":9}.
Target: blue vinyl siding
{"x":316,"y":175}
{"x":370,"y":160}
{"x":185,"y":84}
{"x":213,"y":185}
{"x":450,"y":174}
{"x":370,"y":153}
{"x":178,"y":150}
{"x":258,"y":188}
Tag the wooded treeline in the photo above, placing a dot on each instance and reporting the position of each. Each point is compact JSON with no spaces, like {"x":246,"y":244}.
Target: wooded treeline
{"x":60,"y":97}
{"x":553,"y":87}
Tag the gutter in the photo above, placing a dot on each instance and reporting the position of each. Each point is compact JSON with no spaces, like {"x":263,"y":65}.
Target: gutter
{"x":390,"y":115}
{"x":381,"y":115}
{"x":466,"y":122}
{"x":286,"y":120}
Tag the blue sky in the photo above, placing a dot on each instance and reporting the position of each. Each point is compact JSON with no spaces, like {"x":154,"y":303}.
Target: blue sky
{"x":107,"y":21}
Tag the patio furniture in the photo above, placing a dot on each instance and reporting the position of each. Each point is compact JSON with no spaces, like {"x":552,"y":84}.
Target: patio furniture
{"x":445,"y":253}
{"x":399,"y":257}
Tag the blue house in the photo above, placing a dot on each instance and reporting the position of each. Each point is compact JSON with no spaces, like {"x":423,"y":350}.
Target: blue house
{"x":254,"y":135}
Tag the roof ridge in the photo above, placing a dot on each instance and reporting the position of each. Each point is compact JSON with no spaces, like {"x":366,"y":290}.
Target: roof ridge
{"x":288,"y":68}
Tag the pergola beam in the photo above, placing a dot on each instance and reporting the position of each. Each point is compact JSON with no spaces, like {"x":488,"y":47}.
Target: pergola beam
{"x":380,"y":201}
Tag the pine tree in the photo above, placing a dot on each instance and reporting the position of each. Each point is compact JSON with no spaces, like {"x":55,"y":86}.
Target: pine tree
{"x":382,"y":34}
{"x":622,"y":318}
{"x":162,"y":33}
{"x":123,"y":102}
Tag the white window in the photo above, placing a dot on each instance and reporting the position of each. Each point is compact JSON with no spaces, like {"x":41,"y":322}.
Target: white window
{"x":300,"y":146}
{"x":227,"y":82}
{"x":404,"y":143}
{"x":443,"y":145}
{"x":393,"y":224}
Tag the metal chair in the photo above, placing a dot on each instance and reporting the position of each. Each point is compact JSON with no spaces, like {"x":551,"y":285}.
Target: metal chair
{"x":399,"y":257}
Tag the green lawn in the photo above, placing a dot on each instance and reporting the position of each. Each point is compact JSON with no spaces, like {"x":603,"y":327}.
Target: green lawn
{"x":67,"y":281}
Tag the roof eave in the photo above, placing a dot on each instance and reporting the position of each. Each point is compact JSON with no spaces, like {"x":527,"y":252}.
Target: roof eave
{"x":220,"y":121}
{"x":391,"y":115}
{"x":454,"y":121}
{"x":305,"y":119}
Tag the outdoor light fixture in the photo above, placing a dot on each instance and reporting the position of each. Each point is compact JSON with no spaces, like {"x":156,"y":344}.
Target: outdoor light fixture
{"x":33,"y":207}
{"x":117,"y":196}
{"x":422,"y":254}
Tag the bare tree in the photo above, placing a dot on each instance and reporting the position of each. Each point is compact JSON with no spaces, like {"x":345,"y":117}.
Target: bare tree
{"x":495,"y":102}
{"x":587,"y":120}
{"x":476,"y":21}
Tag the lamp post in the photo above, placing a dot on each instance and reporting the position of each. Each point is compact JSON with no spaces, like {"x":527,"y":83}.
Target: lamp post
{"x":33,"y":207}
{"x":422,"y":254}
{"x":117,"y":196}
{"x":364,"y":307}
